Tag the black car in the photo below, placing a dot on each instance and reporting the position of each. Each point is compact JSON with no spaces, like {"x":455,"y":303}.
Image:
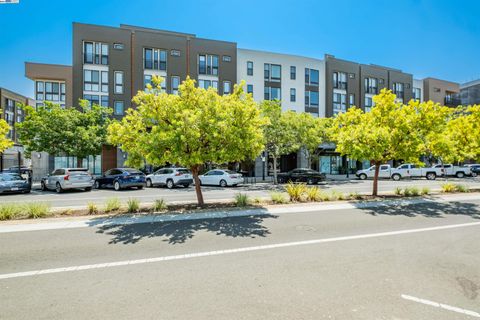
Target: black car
{"x":14,"y":183}
{"x":475,"y":170}
{"x":308,"y":176}
{"x":121,"y":178}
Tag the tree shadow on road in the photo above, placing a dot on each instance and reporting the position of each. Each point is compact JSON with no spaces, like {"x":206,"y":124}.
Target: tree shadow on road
{"x":431,"y":209}
{"x":176,"y":232}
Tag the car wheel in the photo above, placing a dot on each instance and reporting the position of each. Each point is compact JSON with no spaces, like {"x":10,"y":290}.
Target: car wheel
{"x":363,"y":176}
{"x":44,"y":186}
{"x":149,"y":183}
{"x":58,"y":188}
{"x":431,"y":176}
{"x":280,"y":180}
{"x":88,"y":189}
{"x":116,"y":186}
{"x":460,"y":174}
{"x":396,"y":177}
{"x":170,"y":184}
{"x":474,"y":174}
{"x":140,"y":187}
{"x":97,"y":185}
{"x":223,"y":183}
{"x":26,"y":191}
{"x":310,"y":181}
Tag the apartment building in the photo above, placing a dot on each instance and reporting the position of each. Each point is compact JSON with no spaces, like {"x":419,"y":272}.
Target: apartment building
{"x":469,"y":93}
{"x":418,"y":91}
{"x":441,"y":91}
{"x":111,"y":64}
{"x":11,"y":111}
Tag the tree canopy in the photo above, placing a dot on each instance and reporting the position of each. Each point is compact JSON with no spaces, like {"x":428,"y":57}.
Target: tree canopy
{"x":5,"y":143}
{"x":64,"y":131}
{"x":192,"y":128}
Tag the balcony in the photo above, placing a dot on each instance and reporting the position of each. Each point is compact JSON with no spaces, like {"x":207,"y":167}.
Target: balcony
{"x":453,"y":100}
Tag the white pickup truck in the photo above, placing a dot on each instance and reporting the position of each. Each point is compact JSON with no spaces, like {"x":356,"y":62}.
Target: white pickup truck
{"x":385,"y":172}
{"x":409,"y":170}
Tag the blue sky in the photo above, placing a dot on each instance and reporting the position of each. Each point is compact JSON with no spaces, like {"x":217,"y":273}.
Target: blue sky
{"x":423,"y":37}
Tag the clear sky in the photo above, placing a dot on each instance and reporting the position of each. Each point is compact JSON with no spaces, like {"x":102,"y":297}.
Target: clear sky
{"x":435,"y":38}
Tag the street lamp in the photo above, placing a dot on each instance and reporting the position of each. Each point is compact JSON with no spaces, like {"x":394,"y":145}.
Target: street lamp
{"x":263,"y":165}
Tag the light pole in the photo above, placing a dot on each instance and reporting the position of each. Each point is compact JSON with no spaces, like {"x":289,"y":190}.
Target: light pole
{"x":263,"y":165}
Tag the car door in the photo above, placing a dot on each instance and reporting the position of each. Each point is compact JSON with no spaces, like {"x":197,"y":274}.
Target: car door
{"x":296,"y":175}
{"x":207,"y":177}
{"x":111,"y":176}
{"x":156,"y":177}
{"x":54,"y":177}
{"x":162,"y":178}
{"x":384,"y":171}
{"x":415,"y":171}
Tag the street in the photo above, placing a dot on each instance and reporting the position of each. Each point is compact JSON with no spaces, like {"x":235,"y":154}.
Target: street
{"x":73,"y":198}
{"x":411,"y":261}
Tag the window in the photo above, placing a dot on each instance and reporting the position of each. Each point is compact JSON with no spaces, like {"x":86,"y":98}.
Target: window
{"x":175,"y":84}
{"x":208,"y":64}
{"x":351,"y":99}
{"x":91,"y":80}
{"x":104,"y":101}
{"x":339,"y":103}
{"x":340,"y":80}
{"x":175,"y":53}
{"x":273,"y":72}
{"x":52,"y":91}
{"x":371,"y":85}
{"x":105,"y":81}
{"x":311,"y":77}
{"x":226,"y":87}
{"x":118,"y":108}
{"x":368,"y":104}
{"x":95,"y":53}
{"x":249,"y":68}
{"x":293,"y":95}
{"x":118,"y":46}
{"x":40,"y":90}
{"x":227,"y":58}
{"x":92,"y":99}
{"x":205,"y":84}
{"x":417,"y":94}
{"x":62,"y":91}
{"x":155,"y":59}
{"x":272,"y":93}
{"x":398,"y":89}
{"x":311,"y":99}
{"x":147,"y":80}
{"x":293,"y":73}
{"x":250,"y":88}
{"x":118,"y":82}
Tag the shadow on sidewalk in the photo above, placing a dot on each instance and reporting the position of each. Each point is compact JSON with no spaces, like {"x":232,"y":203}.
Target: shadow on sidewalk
{"x":429,"y":210}
{"x":176,"y":232}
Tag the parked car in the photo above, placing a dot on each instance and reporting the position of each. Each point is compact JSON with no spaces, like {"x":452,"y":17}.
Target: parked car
{"x":385,"y":172}
{"x":13,"y":183}
{"x":222,"y":178}
{"x":474,"y":168}
{"x":451,"y":170}
{"x":170,"y":177}
{"x":409,"y":170}
{"x":309,"y":176}
{"x":67,"y":178}
{"x":121,"y":178}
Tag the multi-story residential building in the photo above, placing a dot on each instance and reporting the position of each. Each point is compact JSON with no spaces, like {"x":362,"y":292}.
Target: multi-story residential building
{"x":417,"y":93}
{"x":441,"y":91}
{"x":298,"y":82}
{"x":111,"y":64}
{"x":11,"y":111}
{"x":469,"y":93}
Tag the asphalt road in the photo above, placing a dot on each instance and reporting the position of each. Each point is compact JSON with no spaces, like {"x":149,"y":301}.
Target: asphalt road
{"x":395,"y":262}
{"x":148,"y":195}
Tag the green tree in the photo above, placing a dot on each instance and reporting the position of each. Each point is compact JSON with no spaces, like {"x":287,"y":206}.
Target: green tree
{"x":64,"y":131}
{"x":387,"y":132}
{"x":311,"y":132}
{"x":279,"y":131}
{"x":192,"y":128}
{"x":5,"y":143}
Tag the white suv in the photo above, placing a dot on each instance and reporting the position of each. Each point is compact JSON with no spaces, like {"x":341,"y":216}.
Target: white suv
{"x":170,"y":177}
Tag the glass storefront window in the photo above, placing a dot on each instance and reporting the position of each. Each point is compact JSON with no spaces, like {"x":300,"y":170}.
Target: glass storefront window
{"x":94,"y":164}
{"x":65,"y":162}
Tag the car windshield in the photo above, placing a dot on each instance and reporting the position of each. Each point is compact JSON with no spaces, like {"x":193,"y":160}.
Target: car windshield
{"x":183,"y":171}
{"x":10,"y":177}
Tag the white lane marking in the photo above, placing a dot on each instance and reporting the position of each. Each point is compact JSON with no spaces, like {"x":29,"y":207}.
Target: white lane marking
{"x":229,"y":251}
{"x":442,"y":306}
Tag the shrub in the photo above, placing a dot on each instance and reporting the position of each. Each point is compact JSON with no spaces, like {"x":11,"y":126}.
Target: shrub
{"x":411,"y":191}
{"x":257,"y":200}
{"x":278,"y":198}
{"x":355,"y":195}
{"x":296,"y":191}
{"x":425,"y":191}
{"x":133,"y":205}
{"x":314,"y":194}
{"x":9,"y":211}
{"x":336,"y":195}
{"x":241,"y":200}
{"x":92,"y":208}
{"x":461,"y":188}
{"x":112,"y":204}
{"x":398,"y":191}
{"x":36,"y":209}
{"x":448,"y":187}
{"x":159,"y":205}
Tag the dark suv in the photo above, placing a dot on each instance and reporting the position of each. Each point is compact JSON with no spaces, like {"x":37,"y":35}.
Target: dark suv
{"x":308,"y":176}
{"x":121,"y":178}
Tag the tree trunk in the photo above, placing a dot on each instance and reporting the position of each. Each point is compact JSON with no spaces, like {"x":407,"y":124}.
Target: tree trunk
{"x":198,"y":188}
{"x":274,"y":170}
{"x":375,"y":178}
